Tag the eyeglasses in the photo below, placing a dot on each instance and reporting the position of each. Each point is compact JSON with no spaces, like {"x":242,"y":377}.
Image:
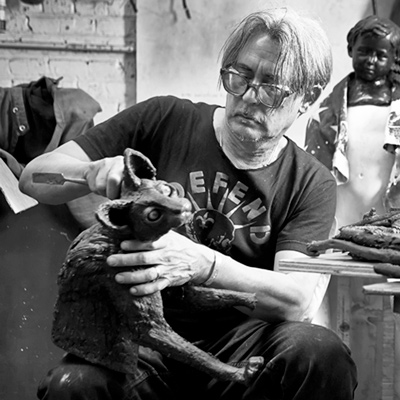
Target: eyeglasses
{"x":268,"y":94}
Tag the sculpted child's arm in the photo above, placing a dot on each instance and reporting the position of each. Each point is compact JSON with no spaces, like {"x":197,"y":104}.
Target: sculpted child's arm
{"x":103,"y":177}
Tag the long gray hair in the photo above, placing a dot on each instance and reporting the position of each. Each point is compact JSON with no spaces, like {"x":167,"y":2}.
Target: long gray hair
{"x":305,"y":58}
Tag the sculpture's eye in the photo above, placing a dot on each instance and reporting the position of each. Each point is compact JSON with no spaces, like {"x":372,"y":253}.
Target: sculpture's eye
{"x":154,"y":215}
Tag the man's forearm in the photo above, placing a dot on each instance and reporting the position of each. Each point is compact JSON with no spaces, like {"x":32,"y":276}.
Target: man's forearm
{"x":52,"y":193}
{"x":279,"y":296}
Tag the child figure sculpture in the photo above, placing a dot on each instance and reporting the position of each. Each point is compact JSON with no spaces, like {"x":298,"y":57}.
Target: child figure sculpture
{"x":356,"y":131}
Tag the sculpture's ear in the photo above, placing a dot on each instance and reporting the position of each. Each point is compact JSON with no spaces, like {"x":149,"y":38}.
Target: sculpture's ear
{"x":137,"y":167}
{"x":114,"y":215}
{"x":350,"y":51}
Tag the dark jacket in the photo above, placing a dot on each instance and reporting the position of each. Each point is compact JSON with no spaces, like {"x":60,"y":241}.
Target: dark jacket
{"x":38,"y":117}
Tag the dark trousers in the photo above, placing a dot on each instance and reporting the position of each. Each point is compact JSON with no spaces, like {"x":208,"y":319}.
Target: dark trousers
{"x":302,"y":362}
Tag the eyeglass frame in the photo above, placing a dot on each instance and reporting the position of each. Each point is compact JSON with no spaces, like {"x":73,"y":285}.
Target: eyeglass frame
{"x":286,"y":92}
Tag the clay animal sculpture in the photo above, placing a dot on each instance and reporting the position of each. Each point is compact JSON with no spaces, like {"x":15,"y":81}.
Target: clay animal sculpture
{"x":376,"y":238}
{"x":98,"y":319}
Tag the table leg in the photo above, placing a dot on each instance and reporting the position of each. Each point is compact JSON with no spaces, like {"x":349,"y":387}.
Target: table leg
{"x":396,"y":314}
{"x":343,"y":305}
{"x":391,"y":289}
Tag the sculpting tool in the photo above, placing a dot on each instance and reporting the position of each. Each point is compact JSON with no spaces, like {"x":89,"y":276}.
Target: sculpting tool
{"x":54,"y":178}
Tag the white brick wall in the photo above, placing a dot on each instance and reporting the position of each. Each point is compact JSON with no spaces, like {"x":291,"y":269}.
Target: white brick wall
{"x":90,"y":43}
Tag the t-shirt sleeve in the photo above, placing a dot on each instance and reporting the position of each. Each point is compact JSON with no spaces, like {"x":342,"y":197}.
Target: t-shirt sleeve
{"x":312,"y":219}
{"x":132,"y":128}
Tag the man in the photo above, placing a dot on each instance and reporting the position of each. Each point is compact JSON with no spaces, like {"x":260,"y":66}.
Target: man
{"x":265,"y":199}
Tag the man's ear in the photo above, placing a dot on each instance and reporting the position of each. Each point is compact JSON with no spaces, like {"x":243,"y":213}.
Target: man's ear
{"x":310,"y":98}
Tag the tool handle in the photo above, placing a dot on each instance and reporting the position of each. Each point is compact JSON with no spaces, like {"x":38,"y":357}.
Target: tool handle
{"x":76,"y":180}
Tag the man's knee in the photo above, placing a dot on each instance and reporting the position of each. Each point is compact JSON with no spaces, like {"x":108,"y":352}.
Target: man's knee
{"x":320,"y":346}
{"x":80,"y":381}
{"x":323,"y":342}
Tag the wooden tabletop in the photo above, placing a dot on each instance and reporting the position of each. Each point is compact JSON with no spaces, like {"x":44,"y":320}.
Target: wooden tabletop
{"x":336,"y":263}
{"x":385,"y":288}
{"x":342,"y":264}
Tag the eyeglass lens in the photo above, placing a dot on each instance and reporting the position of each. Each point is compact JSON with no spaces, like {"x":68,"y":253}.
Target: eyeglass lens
{"x":237,"y":85}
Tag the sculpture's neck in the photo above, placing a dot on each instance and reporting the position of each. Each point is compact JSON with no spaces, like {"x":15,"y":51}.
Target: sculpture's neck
{"x":361,"y":92}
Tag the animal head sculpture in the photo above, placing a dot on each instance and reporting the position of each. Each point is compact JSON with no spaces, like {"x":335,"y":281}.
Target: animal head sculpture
{"x":148,"y":208}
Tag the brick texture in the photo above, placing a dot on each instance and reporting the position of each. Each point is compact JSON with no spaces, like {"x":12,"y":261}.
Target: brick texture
{"x":91,"y":44}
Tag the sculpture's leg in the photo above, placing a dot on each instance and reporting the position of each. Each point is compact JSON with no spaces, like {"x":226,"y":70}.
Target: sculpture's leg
{"x":163,"y":339}
{"x":198,"y":298}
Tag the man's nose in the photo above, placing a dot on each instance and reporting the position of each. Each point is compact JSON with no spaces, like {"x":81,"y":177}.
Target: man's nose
{"x":251,"y":95}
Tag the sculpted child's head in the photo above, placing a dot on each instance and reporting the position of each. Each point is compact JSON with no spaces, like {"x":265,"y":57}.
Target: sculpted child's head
{"x":373,"y":44}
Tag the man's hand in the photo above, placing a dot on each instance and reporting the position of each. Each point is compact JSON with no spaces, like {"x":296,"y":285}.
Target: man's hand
{"x":172,"y":260}
{"x":105,"y":176}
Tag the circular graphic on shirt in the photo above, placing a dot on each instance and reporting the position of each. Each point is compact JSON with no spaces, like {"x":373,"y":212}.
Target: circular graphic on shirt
{"x":212,"y":228}
{"x":212,"y":223}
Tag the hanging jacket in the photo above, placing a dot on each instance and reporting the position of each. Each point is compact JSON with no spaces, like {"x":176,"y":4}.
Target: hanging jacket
{"x":37,"y":117}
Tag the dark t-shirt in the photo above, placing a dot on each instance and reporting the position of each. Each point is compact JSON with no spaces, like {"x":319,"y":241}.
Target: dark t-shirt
{"x":246,"y":214}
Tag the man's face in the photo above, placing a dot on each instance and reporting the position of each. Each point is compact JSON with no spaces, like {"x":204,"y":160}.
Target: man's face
{"x":372,"y":56}
{"x":246,"y":117}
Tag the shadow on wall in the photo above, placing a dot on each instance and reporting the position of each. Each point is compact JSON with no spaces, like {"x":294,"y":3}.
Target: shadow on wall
{"x":395,"y":15}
